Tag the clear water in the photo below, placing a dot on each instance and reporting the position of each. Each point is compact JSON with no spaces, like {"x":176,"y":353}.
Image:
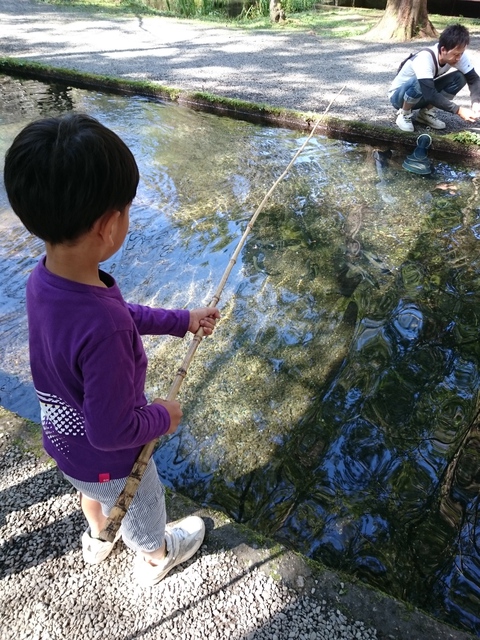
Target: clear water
{"x":336,"y":405}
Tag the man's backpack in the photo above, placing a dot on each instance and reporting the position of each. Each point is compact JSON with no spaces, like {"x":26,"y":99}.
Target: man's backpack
{"x":412,"y":55}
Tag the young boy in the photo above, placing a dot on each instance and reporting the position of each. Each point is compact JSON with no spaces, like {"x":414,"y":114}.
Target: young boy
{"x":71,"y":181}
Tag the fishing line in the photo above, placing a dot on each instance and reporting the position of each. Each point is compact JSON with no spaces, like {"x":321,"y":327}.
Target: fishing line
{"x":125,"y":498}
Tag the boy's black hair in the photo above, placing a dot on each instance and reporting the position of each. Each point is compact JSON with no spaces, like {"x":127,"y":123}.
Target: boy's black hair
{"x":62,"y":174}
{"x":455,"y":35}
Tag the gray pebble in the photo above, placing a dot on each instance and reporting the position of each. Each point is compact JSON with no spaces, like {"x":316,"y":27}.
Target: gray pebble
{"x":49,"y":593}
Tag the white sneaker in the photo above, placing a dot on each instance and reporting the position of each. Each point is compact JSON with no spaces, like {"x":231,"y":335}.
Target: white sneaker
{"x":404,"y":120}
{"x":183,"y":539}
{"x":95,"y":550}
{"x":427,"y":116}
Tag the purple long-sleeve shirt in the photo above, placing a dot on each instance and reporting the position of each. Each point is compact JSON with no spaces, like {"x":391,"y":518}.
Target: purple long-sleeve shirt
{"x":88,"y":367}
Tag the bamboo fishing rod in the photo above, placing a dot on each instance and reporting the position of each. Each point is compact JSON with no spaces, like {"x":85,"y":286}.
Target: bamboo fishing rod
{"x":125,"y":498}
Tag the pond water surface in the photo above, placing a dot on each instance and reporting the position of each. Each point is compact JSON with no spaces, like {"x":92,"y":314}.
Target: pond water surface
{"x":335,"y":407}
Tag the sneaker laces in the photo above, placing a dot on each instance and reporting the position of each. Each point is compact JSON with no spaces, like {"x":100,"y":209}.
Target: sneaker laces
{"x":429,"y":114}
{"x":406,"y":115}
{"x":173,"y":540}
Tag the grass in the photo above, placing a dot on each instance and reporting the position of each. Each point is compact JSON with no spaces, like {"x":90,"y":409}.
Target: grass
{"x":324,"y":21}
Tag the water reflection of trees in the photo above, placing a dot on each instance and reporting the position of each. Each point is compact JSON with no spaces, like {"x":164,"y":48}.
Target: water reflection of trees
{"x":383,"y":448}
{"x":23,"y":99}
{"x":337,"y":407}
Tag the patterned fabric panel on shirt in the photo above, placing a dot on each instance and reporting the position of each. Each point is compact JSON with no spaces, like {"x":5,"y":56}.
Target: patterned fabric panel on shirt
{"x":59,"y":419}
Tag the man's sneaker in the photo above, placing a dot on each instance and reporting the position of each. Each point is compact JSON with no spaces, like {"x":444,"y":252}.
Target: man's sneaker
{"x":404,"y":120}
{"x":95,"y":550}
{"x":427,"y":116}
{"x":183,"y":539}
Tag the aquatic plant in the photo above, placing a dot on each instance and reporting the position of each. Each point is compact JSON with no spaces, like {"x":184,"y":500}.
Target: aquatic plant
{"x":466,"y":137}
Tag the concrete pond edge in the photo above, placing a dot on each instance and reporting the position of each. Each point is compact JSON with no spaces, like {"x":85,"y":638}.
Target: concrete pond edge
{"x":392,"y":618}
{"x":444,"y":146}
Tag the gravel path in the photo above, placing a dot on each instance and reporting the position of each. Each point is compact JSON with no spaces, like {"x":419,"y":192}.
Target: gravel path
{"x":232,"y":588}
{"x":279,"y":67}
{"x":48,"y":592}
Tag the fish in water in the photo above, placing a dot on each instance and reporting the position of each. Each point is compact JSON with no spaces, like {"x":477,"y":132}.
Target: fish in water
{"x":377,"y":262}
{"x":381,"y":163}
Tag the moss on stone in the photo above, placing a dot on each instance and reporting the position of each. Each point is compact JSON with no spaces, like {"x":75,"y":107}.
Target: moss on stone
{"x":458,"y":145}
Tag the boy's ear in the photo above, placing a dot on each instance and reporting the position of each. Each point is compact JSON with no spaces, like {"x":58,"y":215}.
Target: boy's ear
{"x":106,"y":226}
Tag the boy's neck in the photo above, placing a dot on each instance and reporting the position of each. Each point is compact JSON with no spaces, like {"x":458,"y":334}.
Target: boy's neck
{"x":73,"y":262}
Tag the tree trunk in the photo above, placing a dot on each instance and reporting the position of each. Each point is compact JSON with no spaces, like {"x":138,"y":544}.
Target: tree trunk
{"x":404,"y":20}
{"x":277,"y":14}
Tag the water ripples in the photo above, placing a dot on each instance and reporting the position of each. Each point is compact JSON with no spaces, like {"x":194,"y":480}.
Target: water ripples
{"x":336,"y":406}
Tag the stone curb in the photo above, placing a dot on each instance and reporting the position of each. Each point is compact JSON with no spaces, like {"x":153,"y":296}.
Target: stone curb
{"x":334,"y":127}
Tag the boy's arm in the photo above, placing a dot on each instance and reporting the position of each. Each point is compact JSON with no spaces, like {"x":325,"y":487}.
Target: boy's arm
{"x":117,"y":415}
{"x":158,"y":322}
{"x":173,"y":322}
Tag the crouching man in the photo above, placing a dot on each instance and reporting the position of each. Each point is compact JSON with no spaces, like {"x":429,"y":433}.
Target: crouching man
{"x":432,"y":77}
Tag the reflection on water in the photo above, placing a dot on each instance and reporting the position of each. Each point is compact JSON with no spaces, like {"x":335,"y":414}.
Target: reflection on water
{"x":336,"y":406}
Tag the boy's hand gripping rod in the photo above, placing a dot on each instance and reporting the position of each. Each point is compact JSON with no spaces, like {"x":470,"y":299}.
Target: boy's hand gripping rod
{"x":125,"y":498}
